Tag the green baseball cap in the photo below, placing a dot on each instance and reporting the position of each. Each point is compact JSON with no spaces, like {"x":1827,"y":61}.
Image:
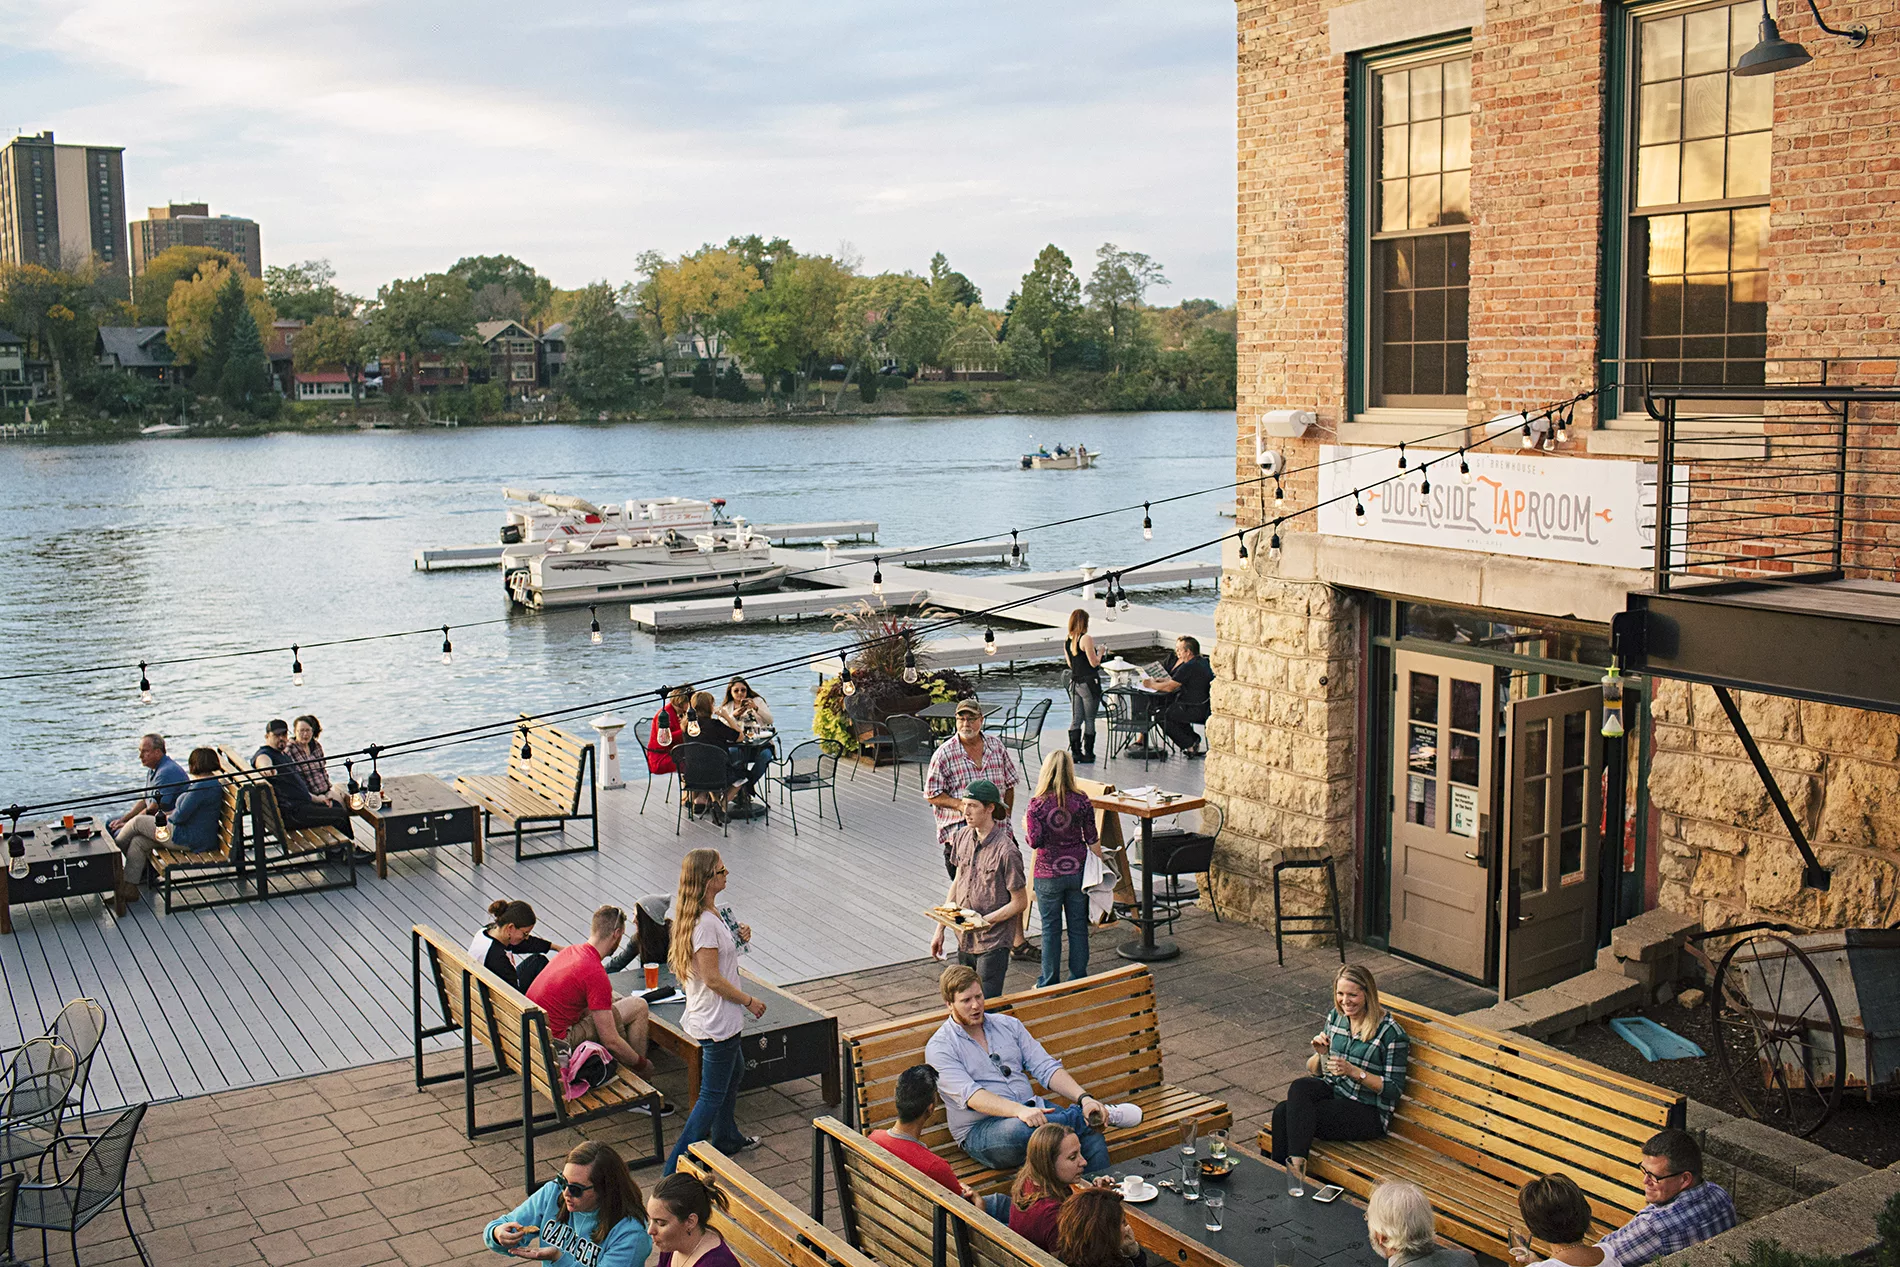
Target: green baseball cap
{"x":983,"y":790}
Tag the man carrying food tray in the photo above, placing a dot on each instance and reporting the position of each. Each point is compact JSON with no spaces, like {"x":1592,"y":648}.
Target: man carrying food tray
{"x":989,"y":881}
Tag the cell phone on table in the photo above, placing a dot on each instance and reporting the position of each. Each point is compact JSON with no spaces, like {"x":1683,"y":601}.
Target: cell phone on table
{"x":1329,"y":1193}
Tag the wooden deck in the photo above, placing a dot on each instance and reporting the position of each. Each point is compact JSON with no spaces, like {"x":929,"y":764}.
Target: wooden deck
{"x":210,"y":1000}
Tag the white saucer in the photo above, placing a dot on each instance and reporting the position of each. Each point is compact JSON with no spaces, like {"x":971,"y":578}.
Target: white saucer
{"x":1145,"y":1194}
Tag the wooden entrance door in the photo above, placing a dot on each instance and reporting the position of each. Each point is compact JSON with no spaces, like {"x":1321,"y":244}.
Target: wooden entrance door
{"x":1445,"y":723}
{"x":1553,"y":808}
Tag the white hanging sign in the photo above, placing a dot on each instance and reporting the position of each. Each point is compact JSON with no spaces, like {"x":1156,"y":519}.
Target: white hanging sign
{"x":1573,"y":510}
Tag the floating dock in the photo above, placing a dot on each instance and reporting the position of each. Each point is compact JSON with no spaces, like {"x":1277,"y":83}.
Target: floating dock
{"x":449,"y":558}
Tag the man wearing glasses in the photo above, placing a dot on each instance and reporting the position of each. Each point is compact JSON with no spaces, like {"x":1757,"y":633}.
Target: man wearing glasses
{"x":984,"y":1062}
{"x":1684,"y":1208}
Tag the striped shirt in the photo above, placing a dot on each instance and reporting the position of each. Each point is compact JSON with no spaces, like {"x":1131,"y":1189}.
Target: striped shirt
{"x":1384,"y":1054}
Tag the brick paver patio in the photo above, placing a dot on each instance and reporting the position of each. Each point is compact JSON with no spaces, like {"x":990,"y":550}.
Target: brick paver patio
{"x":358,"y":1168}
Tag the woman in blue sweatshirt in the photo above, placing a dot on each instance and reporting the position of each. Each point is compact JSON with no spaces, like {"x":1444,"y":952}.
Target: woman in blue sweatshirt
{"x":200,"y":809}
{"x":592,"y":1216}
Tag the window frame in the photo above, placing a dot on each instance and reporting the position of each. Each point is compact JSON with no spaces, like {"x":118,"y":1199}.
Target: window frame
{"x":1362,"y":181}
{"x":1619,"y":279}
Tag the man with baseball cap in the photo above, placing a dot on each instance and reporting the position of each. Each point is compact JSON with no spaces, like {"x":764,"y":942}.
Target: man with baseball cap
{"x":961,"y":760}
{"x":988,"y":879}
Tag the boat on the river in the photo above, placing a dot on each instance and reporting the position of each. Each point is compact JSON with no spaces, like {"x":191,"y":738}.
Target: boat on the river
{"x":164,"y":429}
{"x":1077,"y":459}
{"x":566,"y":551}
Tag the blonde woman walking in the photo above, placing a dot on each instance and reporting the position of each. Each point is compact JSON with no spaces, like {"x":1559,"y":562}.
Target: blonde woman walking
{"x":704,"y":956}
{"x":1061,"y":825}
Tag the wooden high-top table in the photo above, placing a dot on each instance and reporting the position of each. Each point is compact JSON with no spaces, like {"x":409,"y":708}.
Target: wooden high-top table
{"x":1145,"y":948}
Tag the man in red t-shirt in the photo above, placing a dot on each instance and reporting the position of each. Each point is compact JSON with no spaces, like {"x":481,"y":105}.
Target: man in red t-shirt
{"x":916,"y":1099}
{"x":580,"y":1002}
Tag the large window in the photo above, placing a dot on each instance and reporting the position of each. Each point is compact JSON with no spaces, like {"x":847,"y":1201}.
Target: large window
{"x":1419,"y":262}
{"x":1698,"y":301}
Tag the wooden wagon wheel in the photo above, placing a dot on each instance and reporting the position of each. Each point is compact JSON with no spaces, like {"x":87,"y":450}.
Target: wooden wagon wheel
{"x":1781,"y":1055}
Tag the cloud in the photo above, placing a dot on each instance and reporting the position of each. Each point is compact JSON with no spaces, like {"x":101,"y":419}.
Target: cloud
{"x":394,"y":139}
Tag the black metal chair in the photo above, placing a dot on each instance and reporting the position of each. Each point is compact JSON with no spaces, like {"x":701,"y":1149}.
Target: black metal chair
{"x":911,"y":744}
{"x":1324,"y":923}
{"x":1181,"y":855}
{"x":641,"y":729}
{"x":86,"y":1193}
{"x":868,"y":732}
{"x":39,"y":1082}
{"x":811,"y":766}
{"x":702,"y":767}
{"x":1027,"y":733}
{"x":9,"y":1194}
{"x":1128,"y":725}
{"x":81,"y":1025}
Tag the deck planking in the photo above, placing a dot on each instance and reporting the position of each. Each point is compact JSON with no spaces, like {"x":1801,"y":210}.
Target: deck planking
{"x":204,"y":1001}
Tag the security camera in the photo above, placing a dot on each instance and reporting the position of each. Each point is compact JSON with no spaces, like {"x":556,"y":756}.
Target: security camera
{"x":1271,"y":461}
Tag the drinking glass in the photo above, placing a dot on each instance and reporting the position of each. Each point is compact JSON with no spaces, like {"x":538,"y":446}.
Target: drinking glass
{"x":653,"y":976}
{"x":1211,"y":1209}
{"x":1190,"y":1179}
{"x":1295,"y":1185}
{"x":1189,"y":1129}
{"x":1521,"y":1246}
{"x":1283,"y":1252}
{"x":1217,"y":1145}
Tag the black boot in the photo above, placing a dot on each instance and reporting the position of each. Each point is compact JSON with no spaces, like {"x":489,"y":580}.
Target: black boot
{"x":1075,"y":746}
{"x":1088,"y":746}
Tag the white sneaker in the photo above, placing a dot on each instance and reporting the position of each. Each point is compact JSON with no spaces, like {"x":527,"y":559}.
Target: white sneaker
{"x":1122,"y":1115}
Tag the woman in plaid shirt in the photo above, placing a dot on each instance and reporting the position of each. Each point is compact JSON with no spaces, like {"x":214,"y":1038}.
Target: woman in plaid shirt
{"x":1358,"y":1074}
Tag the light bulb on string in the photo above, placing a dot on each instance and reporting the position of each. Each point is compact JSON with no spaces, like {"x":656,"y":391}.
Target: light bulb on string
{"x":161,"y":827}
{"x":1464,"y":467}
{"x":1147,"y":524}
{"x":1273,"y":542}
{"x":1529,"y":440}
{"x":527,"y":749}
{"x":1279,"y":495}
{"x":1358,"y":507}
{"x":1121,"y":596}
{"x":1425,"y":483}
{"x":373,"y":785}
{"x":593,"y":624}
{"x":910,"y":667}
{"x":1401,"y":455}
{"x":845,"y":683}
{"x":692,"y":725}
{"x":1015,"y":549}
{"x":448,"y":651}
{"x":1243,"y":545}
{"x":16,"y":847}
{"x":1108,"y":595}
{"x":1562,"y":421}
{"x":662,"y":729}
{"x":738,"y":604}
{"x":296,"y":666}
{"x":877,"y":577}
{"x":145,"y":685}
{"x":989,"y":641}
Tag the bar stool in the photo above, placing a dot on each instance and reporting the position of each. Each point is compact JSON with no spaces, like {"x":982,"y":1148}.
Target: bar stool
{"x":1284,"y":923}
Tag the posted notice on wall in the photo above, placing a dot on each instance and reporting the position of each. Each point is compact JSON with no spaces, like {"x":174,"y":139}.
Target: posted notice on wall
{"x":1572,"y":510}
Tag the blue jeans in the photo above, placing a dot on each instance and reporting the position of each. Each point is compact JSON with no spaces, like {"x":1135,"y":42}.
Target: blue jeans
{"x":1000,"y":1142}
{"x":749,"y":764}
{"x":1062,"y":899}
{"x":721,"y":1070}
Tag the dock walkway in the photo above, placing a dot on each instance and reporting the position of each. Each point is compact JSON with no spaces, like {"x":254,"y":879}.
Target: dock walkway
{"x":206,"y":1001}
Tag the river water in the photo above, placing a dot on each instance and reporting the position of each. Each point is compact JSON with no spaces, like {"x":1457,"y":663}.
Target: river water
{"x":160,"y":548}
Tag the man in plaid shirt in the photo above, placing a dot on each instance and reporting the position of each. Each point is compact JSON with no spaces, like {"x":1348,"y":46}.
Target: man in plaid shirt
{"x":961,"y":760}
{"x":1684,"y":1208}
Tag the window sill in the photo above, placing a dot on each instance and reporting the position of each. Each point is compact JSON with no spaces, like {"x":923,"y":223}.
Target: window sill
{"x":1391,"y":426}
{"x":1634,"y":435}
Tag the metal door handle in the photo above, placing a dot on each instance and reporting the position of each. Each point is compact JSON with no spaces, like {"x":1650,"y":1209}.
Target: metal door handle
{"x":1474,"y":857}
{"x":1525,"y":919}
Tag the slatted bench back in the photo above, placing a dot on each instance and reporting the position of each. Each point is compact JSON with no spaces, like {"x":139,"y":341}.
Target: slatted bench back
{"x":557,"y":766}
{"x":495,"y":1009}
{"x":891,"y":1211}
{"x":762,"y":1228}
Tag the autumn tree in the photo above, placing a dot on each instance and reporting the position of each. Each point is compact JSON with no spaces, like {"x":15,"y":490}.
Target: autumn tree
{"x":152,"y":291}
{"x":55,"y":310}
{"x":189,"y":311}
{"x":703,"y":295}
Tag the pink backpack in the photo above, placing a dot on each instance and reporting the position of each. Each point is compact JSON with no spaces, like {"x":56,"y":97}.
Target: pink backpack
{"x":587,"y":1068}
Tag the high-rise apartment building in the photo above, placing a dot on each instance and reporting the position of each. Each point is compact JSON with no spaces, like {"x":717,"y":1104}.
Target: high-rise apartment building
{"x":61,"y":205}
{"x":192,"y":224}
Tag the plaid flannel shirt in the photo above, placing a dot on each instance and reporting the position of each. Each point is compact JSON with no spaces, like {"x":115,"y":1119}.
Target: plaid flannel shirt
{"x":951,"y":771}
{"x":1385,"y":1054}
{"x":1689,"y":1218}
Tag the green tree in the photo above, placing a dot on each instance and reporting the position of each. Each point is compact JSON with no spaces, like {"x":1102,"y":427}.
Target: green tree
{"x":921,"y":329}
{"x":244,"y":379}
{"x":306,"y":291}
{"x":221,"y":338}
{"x":787,"y":327}
{"x":409,"y":316}
{"x":605,"y":350}
{"x":502,"y":288}
{"x":332,"y":343}
{"x":1117,"y":286}
{"x":870,"y":312}
{"x":761,"y":254}
{"x":188,"y":312}
{"x":152,"y":291}
{"x":1043,"y":314}
{"x":56,"y":311}
{"x":649,"y":299}
{"x":732,"y":385}
{"x":951,"y":288}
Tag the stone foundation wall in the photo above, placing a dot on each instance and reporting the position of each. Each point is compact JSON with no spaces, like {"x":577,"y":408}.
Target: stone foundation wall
{"x":1280,"y":743}
{"x":1725,"y":857}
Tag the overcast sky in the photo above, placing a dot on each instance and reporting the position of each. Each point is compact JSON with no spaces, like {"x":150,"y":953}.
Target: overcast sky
{"x":393,"y":138}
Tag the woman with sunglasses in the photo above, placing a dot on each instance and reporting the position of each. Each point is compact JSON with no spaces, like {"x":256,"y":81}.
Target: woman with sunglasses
{"x":704,"y":955}
{"x":592,"y":1216}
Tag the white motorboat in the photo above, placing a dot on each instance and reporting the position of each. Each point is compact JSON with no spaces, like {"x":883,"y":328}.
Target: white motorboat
{"x":164,"y":429}
{"x":1077,"y":459}
{"x":667,"y":564}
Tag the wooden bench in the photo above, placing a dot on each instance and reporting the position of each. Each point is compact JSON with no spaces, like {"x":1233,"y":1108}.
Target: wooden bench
{"x":181,"y":871}
{"x":242,"y":864}
{"x":899,"y":1218}
{"x":543,"y":788}
{"x":762,"y":1228}
{"x":1484,"y":1112}
{"x":486,"y":1009}
{"x":1103,"y":1029}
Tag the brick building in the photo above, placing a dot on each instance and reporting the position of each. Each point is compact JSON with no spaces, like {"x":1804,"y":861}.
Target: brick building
{"x":192,"y":224}
{"x":1457,"y":211}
